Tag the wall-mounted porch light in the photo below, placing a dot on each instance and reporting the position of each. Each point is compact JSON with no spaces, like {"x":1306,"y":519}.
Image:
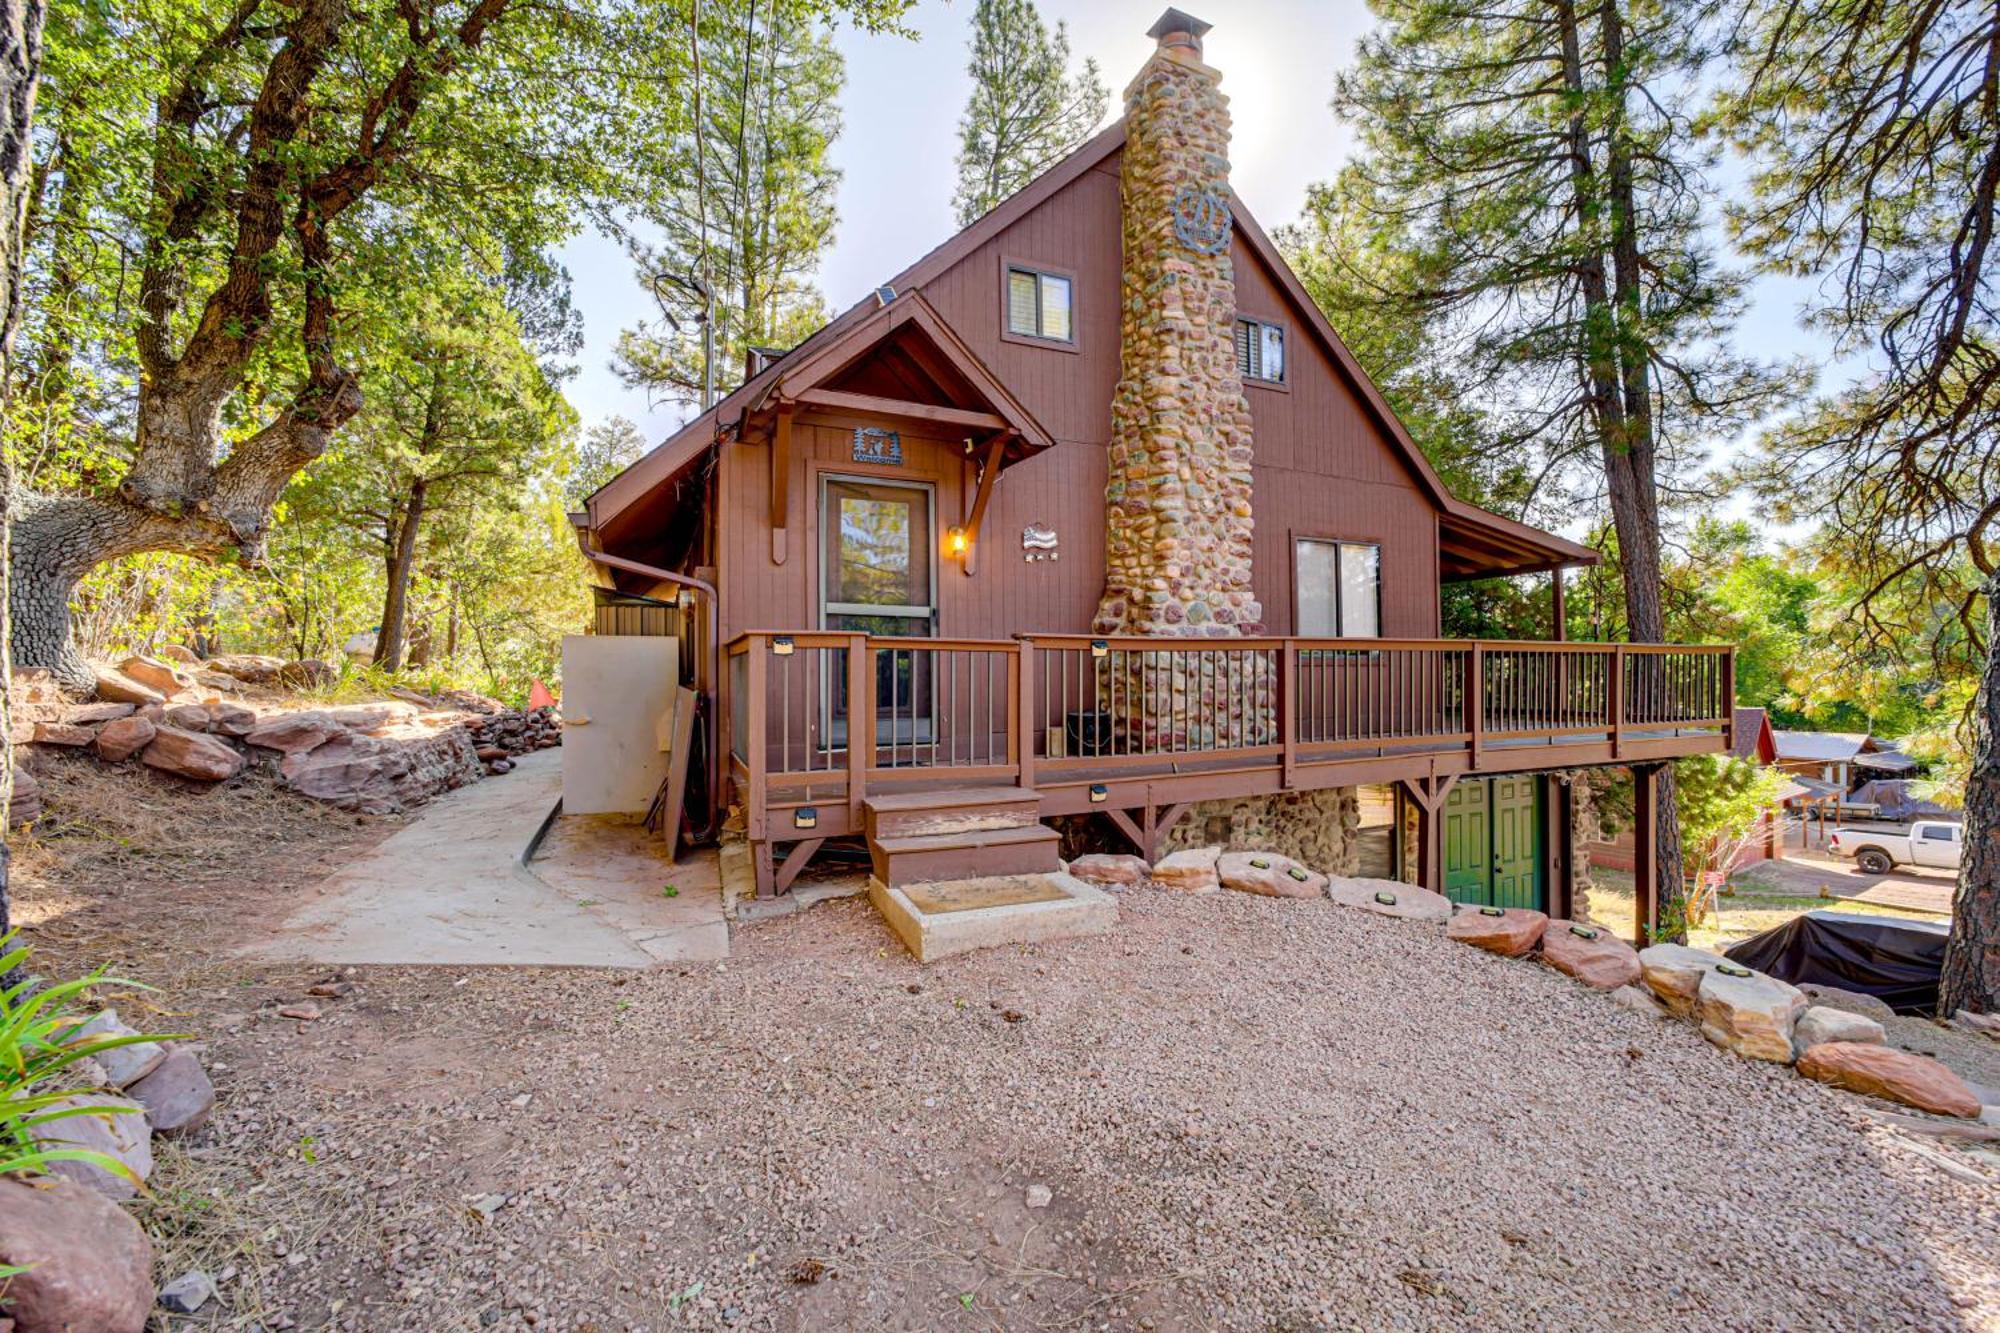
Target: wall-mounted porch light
{"x":1099,"y":793}
{"x":1099,"y":648}
{"x":805,"y":816}
{"x":782,"y":646}
{"x":957,"y":541}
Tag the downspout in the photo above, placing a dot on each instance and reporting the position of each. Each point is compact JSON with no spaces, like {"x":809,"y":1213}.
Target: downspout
{"x":714,"y":654}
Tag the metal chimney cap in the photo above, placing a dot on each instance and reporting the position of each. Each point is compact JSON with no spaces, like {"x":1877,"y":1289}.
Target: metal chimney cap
{"x":1174,"y":23}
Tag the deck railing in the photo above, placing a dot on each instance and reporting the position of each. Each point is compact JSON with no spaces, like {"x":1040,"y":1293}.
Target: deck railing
{"x":821,"y":712}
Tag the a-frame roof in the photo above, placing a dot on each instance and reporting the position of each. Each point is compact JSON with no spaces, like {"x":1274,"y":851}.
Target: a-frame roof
{"x":1474,"y":542}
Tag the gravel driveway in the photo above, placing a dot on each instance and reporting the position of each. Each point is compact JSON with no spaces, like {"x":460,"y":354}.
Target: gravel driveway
{"x":1247,"y":1113}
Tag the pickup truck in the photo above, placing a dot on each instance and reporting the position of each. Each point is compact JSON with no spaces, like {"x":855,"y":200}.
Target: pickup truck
{"x":1928,"y":842}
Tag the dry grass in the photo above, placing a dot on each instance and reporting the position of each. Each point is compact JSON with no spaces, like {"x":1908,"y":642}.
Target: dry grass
{"x":1737,"y":917}
{"x":124,"y":857}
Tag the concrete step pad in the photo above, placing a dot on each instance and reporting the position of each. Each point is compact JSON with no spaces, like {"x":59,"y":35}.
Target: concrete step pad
{"x":938,"y":919}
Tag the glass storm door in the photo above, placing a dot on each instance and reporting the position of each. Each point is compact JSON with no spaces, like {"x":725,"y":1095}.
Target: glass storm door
{"x":878,"y":575}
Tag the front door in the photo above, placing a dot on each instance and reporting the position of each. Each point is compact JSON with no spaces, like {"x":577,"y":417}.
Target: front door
{"x":878,"y":575}
{"x":1493,"y":842}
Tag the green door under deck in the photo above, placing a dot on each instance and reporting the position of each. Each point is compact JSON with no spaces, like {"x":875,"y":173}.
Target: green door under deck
{"x":1468,"y":843}
{"x":1493,"y":843}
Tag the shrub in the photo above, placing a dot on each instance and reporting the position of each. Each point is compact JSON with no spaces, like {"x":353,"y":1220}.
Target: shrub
{"x":36,"y":1045}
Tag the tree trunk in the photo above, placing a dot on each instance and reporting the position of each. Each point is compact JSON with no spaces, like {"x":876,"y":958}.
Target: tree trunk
{"x":1627,"y":440}
{"x":1972,"y":956}
{"x":58,"y":540}
{"x":20,"y":71}
{"x":396,"y":596}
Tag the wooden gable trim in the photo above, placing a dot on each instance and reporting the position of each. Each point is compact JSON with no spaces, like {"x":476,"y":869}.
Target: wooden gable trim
{"x":801,"y":381}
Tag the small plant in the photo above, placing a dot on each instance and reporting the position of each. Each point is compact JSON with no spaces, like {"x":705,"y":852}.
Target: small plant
{"x":36,"y":1045}
{"x":671,"y":891}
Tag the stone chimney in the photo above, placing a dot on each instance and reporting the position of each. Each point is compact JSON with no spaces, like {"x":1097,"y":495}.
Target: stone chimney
{"x":1177,"y":504}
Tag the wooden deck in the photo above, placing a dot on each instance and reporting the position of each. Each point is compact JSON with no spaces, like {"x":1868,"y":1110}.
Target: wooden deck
{"x":1139,"y":728}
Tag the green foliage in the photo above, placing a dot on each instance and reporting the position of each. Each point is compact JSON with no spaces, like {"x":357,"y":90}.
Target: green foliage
{"x":36,"y":1045}
{"x":606,"y":449}
{"x":1027,"y":111}
{"x":748,"y":207}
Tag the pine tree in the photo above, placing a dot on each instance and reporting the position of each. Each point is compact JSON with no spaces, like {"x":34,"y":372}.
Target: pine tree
{"x":1873,"y":130}
{"x":753,"y":210}
{"x":1543,"y":164}
{"x":1026,"y":112}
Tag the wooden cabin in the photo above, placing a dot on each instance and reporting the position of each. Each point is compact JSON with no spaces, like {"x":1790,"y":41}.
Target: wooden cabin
{"x":1089,"y":511}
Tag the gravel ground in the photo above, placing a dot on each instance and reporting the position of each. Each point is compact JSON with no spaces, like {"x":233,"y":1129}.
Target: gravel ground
{"x":1248,"y":1113}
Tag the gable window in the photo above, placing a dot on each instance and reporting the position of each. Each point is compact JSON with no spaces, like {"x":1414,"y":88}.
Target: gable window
{"x":1339,"y":589}
{"x":1038,"y":305}
{"x":1260,"y":351}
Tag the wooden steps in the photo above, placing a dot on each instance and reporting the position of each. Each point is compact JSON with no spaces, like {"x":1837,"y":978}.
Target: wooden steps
{"x":958,"y":833}
{"x":916,"y":814}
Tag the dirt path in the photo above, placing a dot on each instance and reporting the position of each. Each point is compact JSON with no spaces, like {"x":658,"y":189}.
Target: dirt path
{"x":1247,"y":1113}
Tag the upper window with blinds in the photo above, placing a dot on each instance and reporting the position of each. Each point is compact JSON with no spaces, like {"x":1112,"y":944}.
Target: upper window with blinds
{"x":1260,"y":351}
{"x":1038,"y":305}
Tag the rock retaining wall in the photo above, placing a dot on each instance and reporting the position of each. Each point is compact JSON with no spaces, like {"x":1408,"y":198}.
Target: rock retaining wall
{"x":1318,"y":828}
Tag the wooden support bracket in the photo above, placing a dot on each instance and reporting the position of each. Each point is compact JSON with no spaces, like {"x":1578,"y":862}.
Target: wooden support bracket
{"x":795,"y":861}
{"x":989,"y":473}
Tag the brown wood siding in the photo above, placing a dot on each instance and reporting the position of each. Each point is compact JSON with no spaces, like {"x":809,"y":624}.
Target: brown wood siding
{"x":1323,"y":467}
{"x":1062,"y":488}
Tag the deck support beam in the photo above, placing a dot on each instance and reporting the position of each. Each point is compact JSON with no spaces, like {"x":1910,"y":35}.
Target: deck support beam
{"x":1645,"y":851}
{"x":1152,"y":827}
{"x":1429,"y":795}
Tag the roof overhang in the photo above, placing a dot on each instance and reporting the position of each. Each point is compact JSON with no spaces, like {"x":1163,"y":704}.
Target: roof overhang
{"x":944,"y":387}
{"x":1475,"y":543}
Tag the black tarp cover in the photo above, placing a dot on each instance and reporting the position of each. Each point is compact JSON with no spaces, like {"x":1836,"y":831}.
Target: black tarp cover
{"x":1895,"y":960}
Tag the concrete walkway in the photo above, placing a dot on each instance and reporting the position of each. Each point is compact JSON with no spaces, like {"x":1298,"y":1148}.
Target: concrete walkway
{"x":450,"y":888}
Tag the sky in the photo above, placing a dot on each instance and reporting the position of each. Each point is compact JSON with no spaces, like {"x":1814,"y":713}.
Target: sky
{"x":896,"y":153}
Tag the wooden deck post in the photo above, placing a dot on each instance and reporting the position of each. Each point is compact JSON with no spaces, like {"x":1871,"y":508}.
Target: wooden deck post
{"x":1022,"y":702}
{"x":1475,"y":697}
{"x":1557,"y":614}
{"x":1645,"y":851}
{"x":859,"y":748}
{"x":1615,"y":698}
{"x":1288,"y":721}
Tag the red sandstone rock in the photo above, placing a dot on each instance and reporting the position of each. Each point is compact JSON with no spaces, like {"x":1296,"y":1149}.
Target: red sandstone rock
{"x":1388,"y":897}
{"x":1269,"y":874}
{"x":177,"y":1095}
{"x":189,"y":755}
{"x":61,"y":733}
{"x":228,"y":719}
{"x":252,"y":667}
{"x":27,"y":802}
{"x":1513,"y":932}
{"x":154,"y":674}
{"x":1899,"y":1076}
{"x":119,"y":688}
{"x":86,"y":714}
{"x":295,"y":733}
{"x":1674,"y":972}
{"x":1191,"y":871}
{"x":1109,"y":871}
{"x":112,"y":1126}
{"x":89,"y":1265}
{"x":1597,"y":958}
